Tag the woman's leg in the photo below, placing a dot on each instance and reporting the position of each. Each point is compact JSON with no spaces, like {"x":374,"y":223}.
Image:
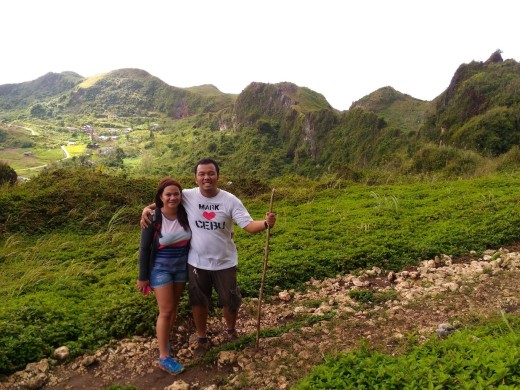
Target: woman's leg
{"x":167,"y":309}
{"x":178,"y":288}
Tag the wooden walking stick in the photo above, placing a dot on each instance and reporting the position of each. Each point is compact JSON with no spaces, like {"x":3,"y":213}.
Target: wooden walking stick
{"x":266,"y":256}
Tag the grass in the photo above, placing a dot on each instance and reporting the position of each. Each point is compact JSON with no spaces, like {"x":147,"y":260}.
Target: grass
{"x":250,"y":339}
{"x":90,"y":81}
{"x":76,"y":150}
{"x":69,"y":256}
{"x":62,"y":288}
{"x":323,"y":233}
{"x":474,"y":358}
{"x":22,"y":163}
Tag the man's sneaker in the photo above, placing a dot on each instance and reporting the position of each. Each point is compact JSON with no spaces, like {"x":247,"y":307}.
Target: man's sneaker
{"x":201,"y":346}
{"x":171,"y":366}
{"x":230,"y":335}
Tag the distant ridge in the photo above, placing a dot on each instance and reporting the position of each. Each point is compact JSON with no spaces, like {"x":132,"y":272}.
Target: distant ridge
{"x":273,"y":129}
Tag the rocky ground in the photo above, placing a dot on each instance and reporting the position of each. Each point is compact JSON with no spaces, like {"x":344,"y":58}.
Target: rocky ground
{"x":420,"y":300}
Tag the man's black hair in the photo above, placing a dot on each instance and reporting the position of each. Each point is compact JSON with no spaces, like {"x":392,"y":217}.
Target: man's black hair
{"x":206,"y":161}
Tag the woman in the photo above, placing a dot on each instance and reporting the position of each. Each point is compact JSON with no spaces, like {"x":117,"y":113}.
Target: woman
{"x":163,"y":256}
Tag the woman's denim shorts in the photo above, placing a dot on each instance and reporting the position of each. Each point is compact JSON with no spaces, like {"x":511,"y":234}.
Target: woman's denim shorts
{"x":159,"y":278}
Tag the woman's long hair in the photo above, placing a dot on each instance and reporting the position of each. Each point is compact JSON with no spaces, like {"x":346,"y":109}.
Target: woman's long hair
{"x":182,"y":217}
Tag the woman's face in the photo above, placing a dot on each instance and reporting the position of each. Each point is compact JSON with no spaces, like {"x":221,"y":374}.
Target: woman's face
{"x":171,"y":196}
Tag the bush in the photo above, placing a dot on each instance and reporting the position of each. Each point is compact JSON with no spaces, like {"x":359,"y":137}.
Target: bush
{"x":445,"y":159}
{"x":510,"y":160}
{"x":492,"y":133}
{"x":72,"y":281}
{"x":7,"y":174}
{"x":81,"y":197}
{"x":485,"y":357}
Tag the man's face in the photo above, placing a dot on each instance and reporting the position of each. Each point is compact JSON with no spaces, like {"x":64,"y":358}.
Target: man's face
{"x":206,"y":177}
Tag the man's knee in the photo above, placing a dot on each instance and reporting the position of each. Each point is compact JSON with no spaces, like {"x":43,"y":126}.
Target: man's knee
{"x":234,"y":300}
{"x":197,"y":297}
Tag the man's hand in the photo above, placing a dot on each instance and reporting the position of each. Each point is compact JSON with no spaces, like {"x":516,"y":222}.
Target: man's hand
{"x":270,"y":218}
{"x":260,"y":226}
{"x":145,"y":217}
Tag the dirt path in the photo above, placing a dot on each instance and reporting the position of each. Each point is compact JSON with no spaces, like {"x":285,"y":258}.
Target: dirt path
{"x":300,"y":340}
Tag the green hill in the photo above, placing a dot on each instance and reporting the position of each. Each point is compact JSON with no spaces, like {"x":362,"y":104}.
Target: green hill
{"x":21,"y":96}
{"x":389,"y":182}
{"x":270,"y":130}
{"x":399,"y":110}
{"x":480,"y":110}
{"x":134,"y":92}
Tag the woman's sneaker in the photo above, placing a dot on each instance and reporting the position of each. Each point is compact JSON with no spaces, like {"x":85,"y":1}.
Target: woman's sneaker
{"x":171,"y":366}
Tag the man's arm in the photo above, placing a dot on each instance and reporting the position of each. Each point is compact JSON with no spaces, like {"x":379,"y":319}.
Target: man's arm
{"x":145,"y":215}
{"x":260,"y":226}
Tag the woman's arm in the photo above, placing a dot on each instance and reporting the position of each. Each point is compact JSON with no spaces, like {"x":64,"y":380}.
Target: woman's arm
{"x":145,"y":249}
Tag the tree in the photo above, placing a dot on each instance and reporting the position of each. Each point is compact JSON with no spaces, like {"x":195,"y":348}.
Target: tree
{"x":495,"y":57}
{"x":38,"y":110}
{"x":146,"y":163}
{"x":115,"y":159}
{"x":7,"y":174}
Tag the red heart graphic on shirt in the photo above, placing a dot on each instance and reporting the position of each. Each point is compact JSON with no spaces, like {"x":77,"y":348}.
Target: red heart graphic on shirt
{"x":208,"y":216}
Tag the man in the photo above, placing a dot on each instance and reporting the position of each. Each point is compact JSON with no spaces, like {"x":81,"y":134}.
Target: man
{"x":213,"y":257}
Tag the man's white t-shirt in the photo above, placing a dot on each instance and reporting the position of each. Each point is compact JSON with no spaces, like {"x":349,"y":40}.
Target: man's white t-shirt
{"x":211,"y":223}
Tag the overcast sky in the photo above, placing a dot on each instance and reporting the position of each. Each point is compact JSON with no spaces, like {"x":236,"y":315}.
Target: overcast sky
{"x":341,"y":49}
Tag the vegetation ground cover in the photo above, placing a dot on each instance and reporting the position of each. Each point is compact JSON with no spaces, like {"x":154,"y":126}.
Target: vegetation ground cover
{"x":69,"y":257}
{"x":475,"y":358}
{"x":295,"y":341}
{"x":68,"y":239}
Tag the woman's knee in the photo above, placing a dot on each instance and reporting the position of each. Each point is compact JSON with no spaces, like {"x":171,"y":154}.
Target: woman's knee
{"x":167,"y":311}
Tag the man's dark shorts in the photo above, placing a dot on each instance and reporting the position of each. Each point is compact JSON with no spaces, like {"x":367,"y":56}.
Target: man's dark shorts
{"x":202,"y":282}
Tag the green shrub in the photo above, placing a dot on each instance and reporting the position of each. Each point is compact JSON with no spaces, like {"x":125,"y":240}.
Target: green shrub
{"x":371,"y":296}
{"x":492,"y":133}
{"x":485,"y":357}
{"x":69,"y":256}
{"x":510,"y":160}
{"x":7,"y":174}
